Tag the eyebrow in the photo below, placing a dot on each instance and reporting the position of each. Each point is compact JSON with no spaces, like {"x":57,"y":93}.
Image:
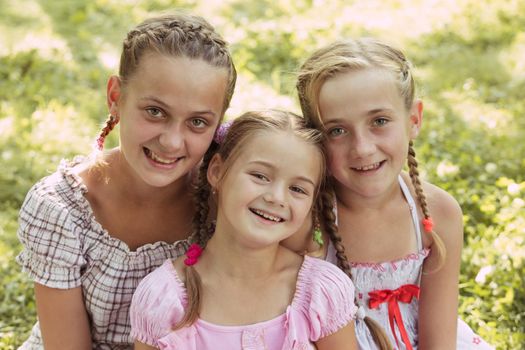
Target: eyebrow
{"x":271,"y":166}
{"x":166,"y":106}
{"x":368,"y":113}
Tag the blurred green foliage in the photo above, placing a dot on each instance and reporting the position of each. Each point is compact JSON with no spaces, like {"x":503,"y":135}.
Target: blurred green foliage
{"x":55,"y":57}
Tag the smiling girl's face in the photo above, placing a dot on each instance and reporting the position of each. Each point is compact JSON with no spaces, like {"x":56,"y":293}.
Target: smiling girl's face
{"x":368,"y":129}
{"x":169,"y":110}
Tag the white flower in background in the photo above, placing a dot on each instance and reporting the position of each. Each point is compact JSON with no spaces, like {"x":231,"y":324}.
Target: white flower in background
{"x":481,"y":277}
{"x":513,"y":189}
{"x":491,"y":168}
{"x":446,"y":169}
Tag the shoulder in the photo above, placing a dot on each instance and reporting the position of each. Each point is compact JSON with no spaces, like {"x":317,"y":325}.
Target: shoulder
{"x":156,"y":304}
{"x":59,"y":191}
{"x":327,"y":295}
{"x":444,"y":209}
{"x":325,"y":280}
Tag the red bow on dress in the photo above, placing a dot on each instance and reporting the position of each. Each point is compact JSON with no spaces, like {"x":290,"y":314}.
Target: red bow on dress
{"x":403,"y":294}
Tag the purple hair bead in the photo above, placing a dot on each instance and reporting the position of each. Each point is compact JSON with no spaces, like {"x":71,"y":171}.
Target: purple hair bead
{"x":222,"y":130}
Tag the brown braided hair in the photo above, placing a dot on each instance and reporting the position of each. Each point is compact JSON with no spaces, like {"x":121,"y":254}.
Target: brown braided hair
{"x":177,"y":35}
{"x":414,"y":176}
{"x":328,"y":225}
{"x":241,"y":130}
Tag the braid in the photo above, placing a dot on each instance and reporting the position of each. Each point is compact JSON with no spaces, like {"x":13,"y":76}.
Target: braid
{"x":106,"y":129}
{"x":202,"y":189}
{"x":328,"y":223}
{"x":201,"y":235}
{"x":177,"y":35}
{"x":438,"y":244}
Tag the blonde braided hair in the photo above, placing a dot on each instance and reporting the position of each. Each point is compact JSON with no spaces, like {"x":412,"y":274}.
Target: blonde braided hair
{"x":174,"y":35}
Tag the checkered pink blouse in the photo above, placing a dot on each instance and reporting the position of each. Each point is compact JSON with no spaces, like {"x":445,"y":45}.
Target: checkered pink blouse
{"x":65,"y":247}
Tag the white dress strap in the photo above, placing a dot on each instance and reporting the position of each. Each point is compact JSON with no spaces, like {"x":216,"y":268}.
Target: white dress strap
{"x":413,"y":211}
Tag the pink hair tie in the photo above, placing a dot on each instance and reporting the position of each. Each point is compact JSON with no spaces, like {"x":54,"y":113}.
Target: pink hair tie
{"x":428,"y":224}
{"x":192,"y":255}
{"x":222,"y":130}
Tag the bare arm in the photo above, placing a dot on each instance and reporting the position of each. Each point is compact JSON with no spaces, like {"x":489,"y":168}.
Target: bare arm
{"x":438,"y":304}
{"x":343,"y":339}
{"x":63,"y":318}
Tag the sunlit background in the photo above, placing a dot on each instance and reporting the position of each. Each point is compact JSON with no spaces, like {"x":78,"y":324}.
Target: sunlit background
{"x":56,"y":55}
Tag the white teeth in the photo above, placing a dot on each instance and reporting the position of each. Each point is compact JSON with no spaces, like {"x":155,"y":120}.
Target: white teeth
{"x":159,"y":159}
{"x":368,"y":167}
{"x":267,"y":216}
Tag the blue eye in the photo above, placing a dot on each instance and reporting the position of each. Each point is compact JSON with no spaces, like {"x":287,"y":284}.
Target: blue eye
{"x":380,"y":121}
{"x":334,"y":132}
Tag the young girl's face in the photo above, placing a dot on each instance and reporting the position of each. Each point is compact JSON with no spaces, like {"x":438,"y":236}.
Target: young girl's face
{"x":368,"y":129}
{"x":266,"y":194}
{"x":169,"y":111}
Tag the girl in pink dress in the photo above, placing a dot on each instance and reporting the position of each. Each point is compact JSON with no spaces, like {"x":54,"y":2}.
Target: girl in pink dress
{"x":360,"y":93}
{"x":237,"y":287}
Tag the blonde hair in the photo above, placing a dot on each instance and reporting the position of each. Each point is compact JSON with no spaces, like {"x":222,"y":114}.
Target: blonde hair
{"x":347,"y":55}
{"x":174,"y":35}
{"x":242,"y":129}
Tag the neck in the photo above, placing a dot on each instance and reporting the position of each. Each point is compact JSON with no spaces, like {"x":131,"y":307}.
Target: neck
{"x":356,"y":202}
{"x":227,"y":257}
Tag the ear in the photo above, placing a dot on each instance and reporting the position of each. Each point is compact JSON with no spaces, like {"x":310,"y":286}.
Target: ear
{"x":416,"y":118}
{"x":215,"y":170}
{"x":113,"y":95}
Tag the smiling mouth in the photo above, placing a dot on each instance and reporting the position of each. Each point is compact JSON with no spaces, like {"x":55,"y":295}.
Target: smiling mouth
{"x":369,"y":167}
{"x":266,"y":216}
{"x":158,"y":159}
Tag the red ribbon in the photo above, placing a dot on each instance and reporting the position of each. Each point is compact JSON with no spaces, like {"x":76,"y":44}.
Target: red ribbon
{"x":403,"y":294}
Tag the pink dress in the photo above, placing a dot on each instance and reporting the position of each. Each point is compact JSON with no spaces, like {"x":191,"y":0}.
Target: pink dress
{"x":323,"y":303}
{"x":392,"y":288}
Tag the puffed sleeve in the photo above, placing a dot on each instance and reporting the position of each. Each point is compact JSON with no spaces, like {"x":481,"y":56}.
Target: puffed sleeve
{"x":157,"y":305}
{"x":52,"y":253}
{"x":331,"y":298}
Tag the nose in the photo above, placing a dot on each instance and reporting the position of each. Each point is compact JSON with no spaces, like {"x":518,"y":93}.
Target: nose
{"x":362,"y":144}
{"x":276,"y":194}
{"x":172,"y":136}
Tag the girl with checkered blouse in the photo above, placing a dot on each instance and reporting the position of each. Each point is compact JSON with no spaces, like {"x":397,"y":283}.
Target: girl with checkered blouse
{"x":93,"y":229}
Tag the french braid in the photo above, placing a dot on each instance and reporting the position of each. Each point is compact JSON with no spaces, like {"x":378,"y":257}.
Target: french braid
{"x":175,"y":35}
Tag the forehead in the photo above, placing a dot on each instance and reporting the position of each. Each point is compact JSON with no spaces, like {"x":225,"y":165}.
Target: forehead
{"x":360,"y":91}
{"x":285,"y":151}
{"x":188,"y":79}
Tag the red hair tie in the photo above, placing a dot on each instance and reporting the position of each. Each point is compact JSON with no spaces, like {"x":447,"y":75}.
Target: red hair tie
{"x":192,"y":255}
{"x":428,"y":224}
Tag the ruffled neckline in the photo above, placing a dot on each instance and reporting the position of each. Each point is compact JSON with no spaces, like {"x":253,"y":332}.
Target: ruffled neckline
{"x":79,"y":190}
{"x":300,"y":290}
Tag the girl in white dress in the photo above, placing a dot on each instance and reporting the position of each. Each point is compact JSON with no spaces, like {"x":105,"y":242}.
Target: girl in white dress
{"x":361,"y":93}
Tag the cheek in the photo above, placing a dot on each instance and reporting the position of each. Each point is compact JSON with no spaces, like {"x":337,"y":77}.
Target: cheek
{"x":335,"y":156}
{"x":198,"y":144}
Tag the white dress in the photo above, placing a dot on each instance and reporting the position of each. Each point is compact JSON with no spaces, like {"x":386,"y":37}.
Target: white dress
{"x":392,"y":288}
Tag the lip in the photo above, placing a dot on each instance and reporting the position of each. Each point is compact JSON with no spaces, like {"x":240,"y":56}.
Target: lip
{"x":267,"y":217}
{"x":160,"y":161}
{"x":369,"y":168}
